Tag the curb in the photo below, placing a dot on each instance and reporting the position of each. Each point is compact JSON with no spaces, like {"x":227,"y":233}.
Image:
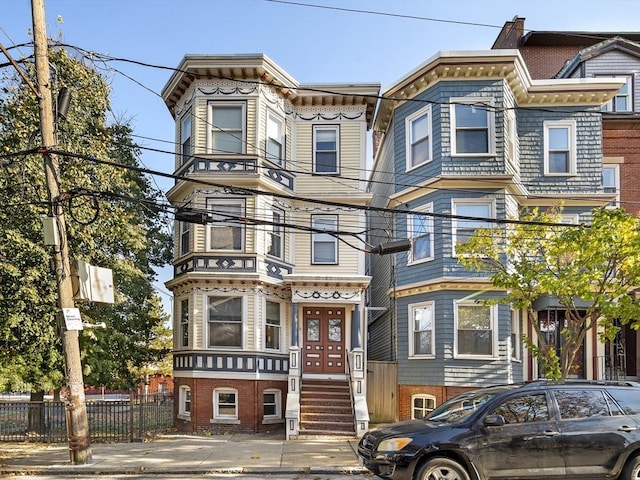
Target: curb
{"x":56,"y":470}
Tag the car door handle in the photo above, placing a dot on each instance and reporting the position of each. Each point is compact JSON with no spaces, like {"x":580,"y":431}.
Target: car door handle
{"x":627,"y":428}
{"x":550,"y":433}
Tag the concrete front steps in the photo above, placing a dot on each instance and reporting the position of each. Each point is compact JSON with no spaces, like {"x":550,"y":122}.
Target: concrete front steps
{"x":326,"y":409}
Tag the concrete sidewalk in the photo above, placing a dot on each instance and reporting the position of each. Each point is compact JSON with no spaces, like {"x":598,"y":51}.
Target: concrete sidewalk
{"x":188,"y":454}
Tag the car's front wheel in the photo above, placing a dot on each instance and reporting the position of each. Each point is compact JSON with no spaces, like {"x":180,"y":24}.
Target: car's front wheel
{"x":632,"y":469}
{"x":442,"y":469}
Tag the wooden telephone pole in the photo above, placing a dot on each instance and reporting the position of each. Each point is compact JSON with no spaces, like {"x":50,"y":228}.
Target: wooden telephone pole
{"x":76,"y":408}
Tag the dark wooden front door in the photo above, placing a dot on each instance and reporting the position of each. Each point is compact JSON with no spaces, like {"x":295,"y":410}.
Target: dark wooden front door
{"x":323,"y":340}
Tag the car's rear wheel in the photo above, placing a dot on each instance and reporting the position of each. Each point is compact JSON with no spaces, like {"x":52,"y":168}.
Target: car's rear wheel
{"x":442,"y":469}
{"x":632,"y":469}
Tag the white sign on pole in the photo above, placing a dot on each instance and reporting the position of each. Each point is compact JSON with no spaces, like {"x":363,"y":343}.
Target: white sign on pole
{"x":72,"y":318}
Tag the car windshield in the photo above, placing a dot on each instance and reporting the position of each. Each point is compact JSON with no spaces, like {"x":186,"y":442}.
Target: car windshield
{"x":459,"y":408}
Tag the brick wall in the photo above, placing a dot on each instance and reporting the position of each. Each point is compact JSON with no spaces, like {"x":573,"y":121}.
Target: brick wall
{"x":625,"y":142}
{"x":441,"y":393}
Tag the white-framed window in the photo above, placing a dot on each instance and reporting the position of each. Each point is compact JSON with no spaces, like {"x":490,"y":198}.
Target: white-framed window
{"x":275,"y":139}
{"x":271,"y":405}
{"x":226,"y":230}
{"x":422,"y":405}
{"x":418,"y":137}
{"x":326,"y":148}
{"x":611,"y":182}
{"x":510,"y":137}
{"x":475,"y":211}
{"x":515,"y":335}
{"x":420,"y":233}
{"x":560,"y":147}
{"x":185,"y":238}
{"x":227,"y":128}
{"x":273,"y":326}
{"x":623,"y":100}
{"x":275,"y":247}
{"x":184,"y":396}
{"x":475,"y":330}
{"x":570,"y":218}
{"x":224,"y":321}
{"x":184,"y":323}
{"x":324,"y":248}
{"x":185,"y":138}
{"x":421,"y":318}
{"x":472,"y":126}
{"x":225,"y":404}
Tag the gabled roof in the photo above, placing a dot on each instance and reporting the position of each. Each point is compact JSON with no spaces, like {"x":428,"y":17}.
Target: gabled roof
{"x":622,"y":44}
{"x":568,"y":38}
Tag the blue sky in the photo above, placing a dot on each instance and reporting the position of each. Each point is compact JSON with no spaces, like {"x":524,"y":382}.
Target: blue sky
{"x":314,"y":45}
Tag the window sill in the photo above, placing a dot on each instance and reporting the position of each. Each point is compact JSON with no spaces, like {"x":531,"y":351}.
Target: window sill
{"x":272,"y":421}
{"x":475,"y":357}
{"x":422,"y":357}
{"x":184,"y":416}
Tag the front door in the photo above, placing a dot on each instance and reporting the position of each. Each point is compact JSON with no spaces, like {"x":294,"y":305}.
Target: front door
{"x":323,"y":340}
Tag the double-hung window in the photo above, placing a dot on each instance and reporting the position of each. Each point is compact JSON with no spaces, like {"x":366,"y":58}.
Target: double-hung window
{"x":185,"y":138}
{"x":560,"y":147}
{"x":472,"y":126}
{"x":326,"y":145}
{"x":273,"y":328}
{"x":468,"y":216}
{"x":271,"y":404}
{"x":515,"y":334}
{"x":184,"y":323}
{"x":324,"y":248}
{"x":475,"y":330}
{"x":224,"y":319}
{"x":185,"y":238}
{"x":184,"y":399}
{"x":226,"y":229}
{"x":225,"y":404}
{"x":227,"y":128}
{"x":420,"y":233}
{"x":275,"y":139}
{"x":611,"y":182}
{"x":422,"y":330}
{"x":418,"y":136}
{"x":276,"y":234}
{"x":623,"y":100}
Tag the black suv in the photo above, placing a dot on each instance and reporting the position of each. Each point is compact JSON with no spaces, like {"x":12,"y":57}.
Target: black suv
{"x":541,"y":430}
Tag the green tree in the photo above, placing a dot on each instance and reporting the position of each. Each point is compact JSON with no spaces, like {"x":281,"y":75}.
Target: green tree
{"x":113,"y":221}
{"x":592,"y":270}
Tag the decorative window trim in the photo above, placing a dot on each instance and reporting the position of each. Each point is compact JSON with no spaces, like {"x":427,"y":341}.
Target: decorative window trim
{"x":627,"y":93}
{"x":511,"y":142}
{"x":454,"y":211}
{"x":184,"y":399}
{"x":185,"y":238}
{"x":482,"y":102}
{"x":212,"y":204}
{"x":493,"y":321}
{"x":243,"y":321}
{"x":412,"y":308}
{"x":277,"y":417}
{"x":316,"y":129}
{"x":280,"y":326}
{"x":186,"y":144}
{"x":426,"y":398}
{"x":516,"y":332}
{"x":570,"y":126}
{"x":278,"y":138}
{"x":318,"y":237}
{"x":410,"y":141}
{"x":224,"y":418}
{"x":184,"y":322}
{"x":214,"y":128}
{"x":616,"y":183}
{"x":277,"y":232}
{"x":412,"y":237}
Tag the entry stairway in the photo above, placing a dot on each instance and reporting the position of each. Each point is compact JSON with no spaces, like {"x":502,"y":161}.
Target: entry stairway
{"x":326,"y":409}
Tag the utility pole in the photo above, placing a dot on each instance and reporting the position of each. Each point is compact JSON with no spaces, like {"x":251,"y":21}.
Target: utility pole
{"x":76,"y":408}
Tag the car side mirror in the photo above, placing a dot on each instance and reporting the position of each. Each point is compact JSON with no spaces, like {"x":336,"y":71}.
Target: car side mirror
{"x":494,"y":421}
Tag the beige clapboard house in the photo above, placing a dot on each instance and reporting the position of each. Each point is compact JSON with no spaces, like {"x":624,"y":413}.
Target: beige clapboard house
{"x":269,"y":262}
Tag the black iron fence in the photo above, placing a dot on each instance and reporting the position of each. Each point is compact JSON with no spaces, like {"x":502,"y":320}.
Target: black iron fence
{"x":118,"y":420}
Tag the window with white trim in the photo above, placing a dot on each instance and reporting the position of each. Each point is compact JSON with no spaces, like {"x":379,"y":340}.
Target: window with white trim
{"x":185,"y":138}
{"x":224,"y":321}
{"x":472,"y":126}
{"x":273,"y":327}
{"x":272,"y":404}
{"x":475,"y":334}
{"x":611,"y":182}
{"x":510,"y":137}
{"x":324,"y":248}
{"x":227,"y":128}
{"x":225,"y":404}
{"x":420,"y":233}
{"x":476,"y":212}
{"x":421,"y":318}
{"x":275,"y":247}
{"x":560,"y":147}
{"x":326,"y":147}
{"x":515,"y":334}
{"x":422,"y":405}
{"x":275,"y":139}
{"x":185,"y":238}
{"x":184,"y":323}
{"x":623,"y":100}
{"x":418,"y":137}
{"x":184,"y":395}
{"x":226,"y":230}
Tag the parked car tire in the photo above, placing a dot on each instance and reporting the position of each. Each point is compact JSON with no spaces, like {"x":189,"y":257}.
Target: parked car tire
{"x":439,"y":468}
{"x":631,"y":469}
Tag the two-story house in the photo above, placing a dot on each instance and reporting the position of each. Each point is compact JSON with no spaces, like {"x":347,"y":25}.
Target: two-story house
{"x":269,"y":269}
{"x":465,"y":140}
{"x":566,"y":54}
